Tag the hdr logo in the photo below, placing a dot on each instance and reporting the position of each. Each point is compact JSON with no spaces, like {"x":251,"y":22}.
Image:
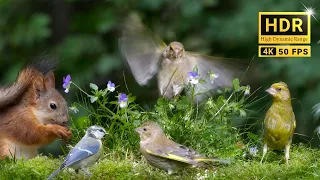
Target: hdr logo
{"x":284,"y":28}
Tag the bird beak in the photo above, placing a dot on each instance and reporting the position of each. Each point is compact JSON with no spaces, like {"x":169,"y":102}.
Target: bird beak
{"x":272,"y":91}
{"x":177,"y":53}
{"x":138,"y":130}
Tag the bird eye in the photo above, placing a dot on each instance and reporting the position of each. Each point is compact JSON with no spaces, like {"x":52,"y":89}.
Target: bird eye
{"x":279,"y":89}
{"x":53,"y":106}
{"x":145,"y":129}
{"x":101,"y":130}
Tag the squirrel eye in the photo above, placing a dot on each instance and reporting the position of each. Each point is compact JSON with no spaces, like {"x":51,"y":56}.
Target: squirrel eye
{"x":145,"y":129}
{"x":53,"y":106}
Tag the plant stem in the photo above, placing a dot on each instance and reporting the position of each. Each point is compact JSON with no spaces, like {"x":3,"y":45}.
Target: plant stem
{"x":105,"y":108}
{"x":223,"y":105}
{"x":80,"y":89}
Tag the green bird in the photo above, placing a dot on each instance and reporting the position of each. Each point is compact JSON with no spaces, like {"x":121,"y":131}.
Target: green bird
{"x":147,"y":55}
{"x":279,"y":122}
{"x":163,"y":153}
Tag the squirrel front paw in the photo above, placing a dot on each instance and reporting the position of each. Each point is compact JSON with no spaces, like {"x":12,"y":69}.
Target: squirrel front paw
{"x":61,"y":131}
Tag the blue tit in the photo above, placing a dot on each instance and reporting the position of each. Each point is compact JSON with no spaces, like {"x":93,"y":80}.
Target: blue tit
{"x":85,"y":153}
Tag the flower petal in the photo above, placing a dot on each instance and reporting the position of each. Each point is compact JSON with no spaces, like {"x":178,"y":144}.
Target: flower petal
{"x":93,"y":86}
{"x":93,"y":99}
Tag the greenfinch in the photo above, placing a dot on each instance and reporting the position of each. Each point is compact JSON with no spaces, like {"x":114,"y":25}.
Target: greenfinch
{"x":163,"y":153}
{"x":147,"y":55}
{"x":279,"y":122}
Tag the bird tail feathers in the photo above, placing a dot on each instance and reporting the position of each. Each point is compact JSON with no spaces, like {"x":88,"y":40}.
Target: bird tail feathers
{"x":54,"y":174}
{"x":204,"y":159}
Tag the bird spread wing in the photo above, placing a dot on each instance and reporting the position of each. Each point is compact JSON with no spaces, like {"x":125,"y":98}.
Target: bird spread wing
{"x":84,"y":149}
{"x":225,"y":69}
{"x":178,"y":153}
{"x":141,"y":49}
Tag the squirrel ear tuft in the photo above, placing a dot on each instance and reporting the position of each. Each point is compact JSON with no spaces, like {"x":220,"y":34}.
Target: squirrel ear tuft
{"x":50,"y":80}
{"x":38,"y":86}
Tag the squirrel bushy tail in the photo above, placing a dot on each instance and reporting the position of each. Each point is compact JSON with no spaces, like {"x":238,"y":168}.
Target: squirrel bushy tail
{"x":11,"y":94}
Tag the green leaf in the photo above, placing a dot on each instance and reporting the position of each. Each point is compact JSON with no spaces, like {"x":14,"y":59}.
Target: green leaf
{"x":235,"y":84}
{"x":242,"y":113}
{"x":83,"y":122}
{"x":183,"y":103}
{"x":195,"y":68}
{"x":104,"y":92}
{"x":220,"y":100}
{"x":161,"y":101}
{"x":113,"y":102}
{"x":253,"y":136}
{"x":93,"y":86}
{"x":131,"y":99}
{"x":202,"y":81}
{"x":136,"y":123}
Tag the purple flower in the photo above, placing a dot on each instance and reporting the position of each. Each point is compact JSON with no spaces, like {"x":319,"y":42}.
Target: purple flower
{"x":253,"y":151}
{"x":193,"y":77}
{"x":66,"y":83}
{"x":111,"y":86}
{"x":123,"y":100}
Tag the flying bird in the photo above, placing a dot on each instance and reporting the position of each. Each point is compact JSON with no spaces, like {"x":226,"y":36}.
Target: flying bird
{"x":147,"y":55}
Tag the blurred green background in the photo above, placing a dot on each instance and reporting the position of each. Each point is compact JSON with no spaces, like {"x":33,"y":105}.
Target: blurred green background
{"x":84,"y":34}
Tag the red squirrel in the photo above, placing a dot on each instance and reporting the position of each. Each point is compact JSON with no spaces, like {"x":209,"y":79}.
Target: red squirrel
{"x":32,"y":112}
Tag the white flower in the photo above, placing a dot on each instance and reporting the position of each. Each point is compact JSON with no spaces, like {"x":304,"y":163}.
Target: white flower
{"x":93,"y":99}
{"x":123,"y":100}
{"x":253,"y":151}
{"x":111,"y":86}
{"x":74,"y":109}
{"x":213,"y":76}
{"x":194,"y":78}
{"x":123,"y":104}
{"x":247,"y":91}
{"x":67,"y":89}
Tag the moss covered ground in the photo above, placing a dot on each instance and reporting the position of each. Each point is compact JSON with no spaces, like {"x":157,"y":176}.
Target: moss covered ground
{"x":304,"y":164}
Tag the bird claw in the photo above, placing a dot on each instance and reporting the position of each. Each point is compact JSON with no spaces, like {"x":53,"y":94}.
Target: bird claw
{"x":86,"y":172}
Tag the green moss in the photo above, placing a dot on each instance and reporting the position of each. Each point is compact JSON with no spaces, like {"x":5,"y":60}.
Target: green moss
{"x":304,"y":164}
